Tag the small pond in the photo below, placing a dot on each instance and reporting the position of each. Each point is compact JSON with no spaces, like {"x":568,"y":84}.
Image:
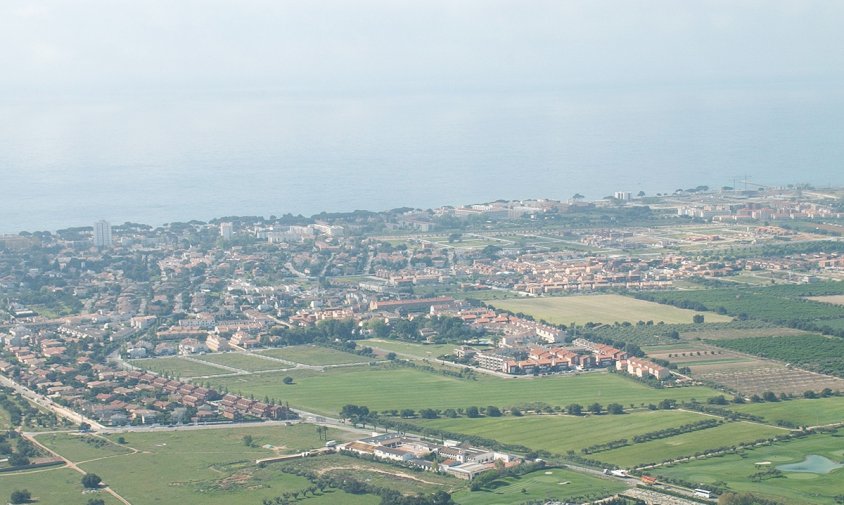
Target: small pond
{"x":812,"y":464}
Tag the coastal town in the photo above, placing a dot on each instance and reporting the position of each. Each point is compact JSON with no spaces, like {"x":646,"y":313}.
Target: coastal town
{"x":129,"y":326}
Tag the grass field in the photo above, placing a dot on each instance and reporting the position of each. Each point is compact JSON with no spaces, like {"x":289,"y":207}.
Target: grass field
{"x":383,"y":388}
{"x":800,"y":412}
{"x":179,"y":367}
{"x":559,"y":434}
{"x":52,"y":486}
{"x":687,"y":444}
{"x":242,"y":361}
{"x":208,"y":467}
{"x":540,"y":486}
{"x":833,"y":299}
{"x":802,"y":488}
{"x":430,"y":351}
{"x":76,"y":447}
{"x":314,"y":355}
{"x":600,"y":309}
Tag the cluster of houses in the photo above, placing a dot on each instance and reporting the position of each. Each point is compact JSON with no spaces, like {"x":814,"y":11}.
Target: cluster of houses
{"x":634,"y":366}
{"x":454,"y":458}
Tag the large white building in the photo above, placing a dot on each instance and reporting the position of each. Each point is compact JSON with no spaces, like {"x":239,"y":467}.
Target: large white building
{"x":102,"y":234}
{"x":226,"y":231}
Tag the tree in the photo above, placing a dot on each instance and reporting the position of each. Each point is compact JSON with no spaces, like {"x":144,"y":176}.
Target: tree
{"x":575,"y":409}
{"x":596,"y":408}
{"x":91,"y":481}
{"x":697,"y":318}
{"x":18,"y":459}
{"x":391,"y":356}
{"x":287,"y":380}
{"x":615,"y":408}
{"x":20,"y":496}
{"x":493,"y":411}
{"x":473,"y":412}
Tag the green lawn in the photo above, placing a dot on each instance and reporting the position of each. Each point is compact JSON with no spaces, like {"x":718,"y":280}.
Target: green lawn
{"x":385,"y":388}
{"x":179,"y":367}
{"x":558,"y":434}
{"x":541,"y":485}
{"x":243,"y":361}
{"x":600,"y":309}
{"x":208,"y":467}
{"x":687,"y":444}
{"x":76,"y":447}
{"x":315,"y":355}
{"x":800,"y":412}
{"x":431,"y":351}
{"x":51,"y":486}
{"x":803,"y":488}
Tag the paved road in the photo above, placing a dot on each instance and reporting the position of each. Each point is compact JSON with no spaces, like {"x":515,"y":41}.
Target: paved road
{"x":46,"y":403}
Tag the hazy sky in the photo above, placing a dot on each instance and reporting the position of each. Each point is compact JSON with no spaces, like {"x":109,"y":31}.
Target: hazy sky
{"x":118,"y":46}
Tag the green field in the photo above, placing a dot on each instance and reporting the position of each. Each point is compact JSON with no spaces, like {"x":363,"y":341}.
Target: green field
{"x":541,"y":486}
{"x":52,"y":486}
{"x":208,"y":467}
{"x":384,"y":388}
{"x":600,"y":309}
{"x":558,"y":433}
{"x":243,"y":361}
{"x":77,"y":447}
{"x":315,"y":355}
{"x":178,"y":367}
{"x":430,"y":351}
{"x":800,"y":412}
{"x":795,"y":488}
{"x":688,"y":444}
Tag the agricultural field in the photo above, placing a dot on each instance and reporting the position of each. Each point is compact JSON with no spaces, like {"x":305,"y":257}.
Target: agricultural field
{"x":249,"y":362}
{"x":384,"y":387}
{"x":713,"y":332}
{"x":208,"y":467}
{"x":687,"y":444}
{"x":833,"y":299}
{"x":561,"y":433}
{"x":551,"y":484}
{"x":820,"y":411}
{"x":56,"y":485}
{"x":813,"y":352}
{"x":599,"y":309}
{"x":179,"y":367}
{"x":736,"y":470}
{"x":694,"y":354}
{"x":777,"y":304}
{"x":376,"y":473}
{"x":314,"y":355}
{"x":763,"y":375}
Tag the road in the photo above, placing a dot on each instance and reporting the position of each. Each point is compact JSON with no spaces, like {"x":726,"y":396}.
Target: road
{"x":46,"y":403}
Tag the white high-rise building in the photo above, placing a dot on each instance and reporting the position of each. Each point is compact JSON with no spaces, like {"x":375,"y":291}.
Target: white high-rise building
{"x":102,"y":234}
{"x":226,"y":231}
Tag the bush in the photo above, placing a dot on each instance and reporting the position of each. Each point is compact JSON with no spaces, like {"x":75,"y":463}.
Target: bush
{"x":91,"y":481}
{"x":20,"y":496}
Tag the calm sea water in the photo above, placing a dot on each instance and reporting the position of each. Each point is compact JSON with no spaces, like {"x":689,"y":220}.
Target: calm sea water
{"x":153,"y":159}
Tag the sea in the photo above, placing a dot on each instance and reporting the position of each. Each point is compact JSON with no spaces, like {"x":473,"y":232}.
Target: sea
{"x":162,"y":157}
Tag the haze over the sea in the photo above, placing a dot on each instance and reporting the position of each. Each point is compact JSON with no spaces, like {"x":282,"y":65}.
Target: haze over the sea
{"x":169,"y":111}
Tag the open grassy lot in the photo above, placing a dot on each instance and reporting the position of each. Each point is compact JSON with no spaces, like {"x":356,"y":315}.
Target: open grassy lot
{"x":551,"y":484}
{"x":803,"y":488}
{"x":816,"y":412}
{"x":77,"y":447}
{"x":179,"y":367}
{"x":377,"y":473}
{"x":687,"y":444}
{"x":813,"y":352}
{"x":599,"y":309}
{"x":209,"y":467}
{"x":385,"y":387}
{"x":833,"y":299}
{"x":430,"y":351}
{"x":50,"y":486}
{"x":314,"y":355}
{"x":242,"y":361}
{"x":558,"y":433}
